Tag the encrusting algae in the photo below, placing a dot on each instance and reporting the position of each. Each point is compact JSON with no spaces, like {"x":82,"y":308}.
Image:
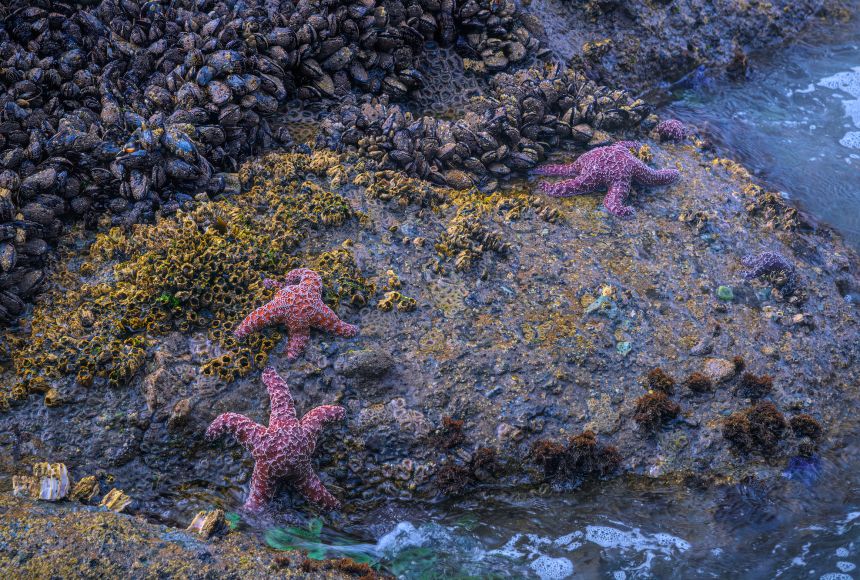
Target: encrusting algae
{"x":200,"y":270}
{"x":204,"y":269}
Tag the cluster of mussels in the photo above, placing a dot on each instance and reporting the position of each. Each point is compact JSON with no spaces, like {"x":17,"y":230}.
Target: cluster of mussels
{"x":508,"y":130}
{"x":119,"y":106}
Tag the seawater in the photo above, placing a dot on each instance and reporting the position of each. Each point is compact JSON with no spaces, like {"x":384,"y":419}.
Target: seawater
{"x":804,"y":524}
{"x":794,"y":121}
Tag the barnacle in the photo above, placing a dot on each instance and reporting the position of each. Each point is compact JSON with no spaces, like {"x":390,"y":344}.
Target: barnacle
{"x":196,"y":270}
{"x":392,"y":299}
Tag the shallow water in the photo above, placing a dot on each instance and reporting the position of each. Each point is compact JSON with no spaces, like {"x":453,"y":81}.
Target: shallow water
{"x":795,"y":121}
{"x":806,"y":525}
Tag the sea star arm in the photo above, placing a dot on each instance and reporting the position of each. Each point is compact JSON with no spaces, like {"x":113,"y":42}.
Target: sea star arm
{"x":262,"y":488}
{"x":769,"y":263}
{"x":560,"y":169}
{"x":259,"y":319}
{"x":326,"y":319}
{"x":273,"y":284}
{"x":313,"y":489}
{"x":297,"y":341}
{"x":305,"y":277}
{"x":283,"y":409}
{"x":245,"y":431}
{"x":647,"y":176}
{"x":564,"y":188}
{"x":614,"y":200}
{"x":314,"y":420}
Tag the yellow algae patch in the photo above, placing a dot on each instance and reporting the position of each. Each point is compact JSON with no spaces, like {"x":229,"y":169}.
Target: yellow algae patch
{"x":197,"y":270}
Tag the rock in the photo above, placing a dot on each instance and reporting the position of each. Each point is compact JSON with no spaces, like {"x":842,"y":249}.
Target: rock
{"x":115,"y":500}
{"x":53,"y":398}
{"x":49,"y":482}
{"x":179,"y":414}
{"x":365,"y":364}
{"x":703,"y":347}
{"x":718,"y":370}
{"x":86,"y":543}
{"x":206,"y":524}
{"x":85,"y":490}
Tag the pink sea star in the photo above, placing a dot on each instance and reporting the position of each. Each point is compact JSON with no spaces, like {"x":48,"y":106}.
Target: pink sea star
{"x":284,"y":448}
{"x":298,"y":305}
{"x":671,"y":130}
{"x":612,"y":167}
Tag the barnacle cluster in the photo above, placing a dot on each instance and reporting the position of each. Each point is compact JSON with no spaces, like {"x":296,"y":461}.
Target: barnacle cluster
{"x":770,"y":207}
{"x":468,"y":234}
{"x":467,"y":238}
{"x":198,"y":270}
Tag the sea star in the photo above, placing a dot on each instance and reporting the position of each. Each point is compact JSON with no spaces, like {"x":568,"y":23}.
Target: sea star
{"x":671,"y":130}
{"x":770,"y":263}
{"x":284,"y":448}
{"x":613,"y":167}
{"x":298,"y":305}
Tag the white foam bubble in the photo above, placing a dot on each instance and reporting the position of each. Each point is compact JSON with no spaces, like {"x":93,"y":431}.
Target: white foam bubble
{"x":552,"y":568}
{"x":847,"y":82}
{"x":608,"y":537}
{"x":569,"y":540}
{"x":845,"y":524}
{"x":405,"y":535}
{"x":842,"y":552}
{"x":851,"y":139}
{"x":835,"y":576}
{"x":547,"y":556}
{"x":846,"y":566}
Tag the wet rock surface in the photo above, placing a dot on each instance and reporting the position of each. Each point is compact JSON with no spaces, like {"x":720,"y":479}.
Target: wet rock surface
{"x":554,"y":336}
{"x":118,"y":111}
{"x":507,"y":340}
{"x":633,"y":44}
{"x":71,"y":540}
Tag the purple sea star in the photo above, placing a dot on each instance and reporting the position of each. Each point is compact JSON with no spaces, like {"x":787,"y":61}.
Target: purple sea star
{"x":284,"y":448}
{"x":768,"y":263}
{"x":612,"y":167}
{"x":298,"y":305}
{"x":671,"y":130}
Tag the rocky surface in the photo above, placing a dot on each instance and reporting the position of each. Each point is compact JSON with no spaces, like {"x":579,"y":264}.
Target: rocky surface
{"x":506,"y":340}
{"x":41,"y":540}
{"x":637,"y":44}
{"x":116,"y":111}
{"x":489,"y":324}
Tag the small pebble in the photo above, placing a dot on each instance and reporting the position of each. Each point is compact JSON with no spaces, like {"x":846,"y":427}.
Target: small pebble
{"x":718,"y":369}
